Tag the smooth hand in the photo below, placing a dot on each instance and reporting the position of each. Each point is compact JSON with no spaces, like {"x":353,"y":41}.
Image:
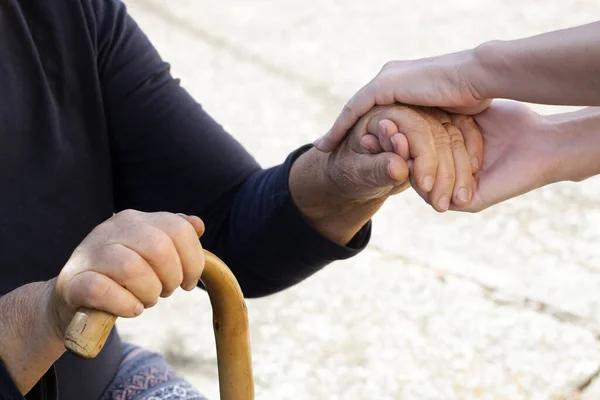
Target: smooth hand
{"x":447,"y":81}
{"x":519,"y":155}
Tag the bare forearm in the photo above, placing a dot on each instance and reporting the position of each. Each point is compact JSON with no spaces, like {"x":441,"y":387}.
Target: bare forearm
{"x":559,"y":67}
{"x":28,"y":344}
{"x":336,"y":217}
{"x":577,"y":144}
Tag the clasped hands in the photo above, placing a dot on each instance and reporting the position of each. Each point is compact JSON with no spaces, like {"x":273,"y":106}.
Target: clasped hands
{"x":474,"y":161}
{"x":439,"y":153}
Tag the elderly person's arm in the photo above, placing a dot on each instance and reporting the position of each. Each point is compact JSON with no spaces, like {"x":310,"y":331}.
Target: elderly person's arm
{"x":28,"y":343}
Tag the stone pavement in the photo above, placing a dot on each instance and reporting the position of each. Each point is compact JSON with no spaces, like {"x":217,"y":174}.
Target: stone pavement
{"x":499,"y":305}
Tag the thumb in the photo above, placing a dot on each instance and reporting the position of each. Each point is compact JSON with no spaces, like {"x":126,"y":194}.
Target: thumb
{"x":382,"y":170}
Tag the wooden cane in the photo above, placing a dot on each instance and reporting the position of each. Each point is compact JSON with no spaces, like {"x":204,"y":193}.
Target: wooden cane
{"x":89,"y":329}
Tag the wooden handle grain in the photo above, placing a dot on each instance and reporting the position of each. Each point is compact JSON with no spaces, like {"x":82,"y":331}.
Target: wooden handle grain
{"x":89,"y":329}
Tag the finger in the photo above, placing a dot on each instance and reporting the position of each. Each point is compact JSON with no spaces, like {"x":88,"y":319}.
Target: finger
{"x":473,"y":139}
{"x":371,"y":144}
{"x":96,"y":291}
{"x":401,"y":147}
{"x":196,"y":222}
{"x":390,"y":139}
{"x":417,"y":131}
{"x":383,"y":170}
{"x":441,"y":193}
{"x":385,"y":130}
{"x":184,"y":236}
{"x":130,"y":270}
{"x":355,"y":108}
{"x":463,"y":186}
{"x":413,"y":183}
{"x":149,"y":239}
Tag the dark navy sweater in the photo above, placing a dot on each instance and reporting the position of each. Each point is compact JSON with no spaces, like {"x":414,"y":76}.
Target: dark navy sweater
{"x":91,"y":123}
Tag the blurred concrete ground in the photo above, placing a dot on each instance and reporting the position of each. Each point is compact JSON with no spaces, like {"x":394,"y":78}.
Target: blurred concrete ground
{"x":499,"y":305}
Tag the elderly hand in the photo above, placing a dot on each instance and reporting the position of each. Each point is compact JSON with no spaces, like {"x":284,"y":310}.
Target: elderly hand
{"x":441,"y":158}
{"x":339,"y":191}
{"x":126,"y":263}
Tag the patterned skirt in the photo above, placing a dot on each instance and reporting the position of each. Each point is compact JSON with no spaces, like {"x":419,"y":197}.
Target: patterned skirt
{"x":144,"y":375}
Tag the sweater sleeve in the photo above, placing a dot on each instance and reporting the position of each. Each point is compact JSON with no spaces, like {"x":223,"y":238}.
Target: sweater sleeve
{"x":8,"y":389}
{"x":168,"y":154}
{"x":45,"y":389}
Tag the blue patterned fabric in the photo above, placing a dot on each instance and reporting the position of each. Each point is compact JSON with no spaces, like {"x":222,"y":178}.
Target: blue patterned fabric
{"x":144,"y":375}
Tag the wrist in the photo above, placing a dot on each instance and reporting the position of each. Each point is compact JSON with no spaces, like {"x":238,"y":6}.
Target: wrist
{"x":575,"y":145}
{"x":28,"y":344}
{"x":324,"y":203}
{"x":57,"y":314}
{"x":482,"y":69}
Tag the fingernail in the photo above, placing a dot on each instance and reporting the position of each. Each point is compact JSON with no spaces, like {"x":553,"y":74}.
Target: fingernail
{"x":139,"y":309}
{"x":444,"y":203}
{"x":463,"y":195}
{"x":394,"y":143}
{"x":381,"y":128}
{"x":475,"y":162}
{"x":317,"y":142}
{"x":428,"y":183}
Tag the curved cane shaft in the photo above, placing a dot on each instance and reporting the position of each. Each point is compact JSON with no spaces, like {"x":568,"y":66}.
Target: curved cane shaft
{"x":89,"y":330}
{"x":230,"y":324}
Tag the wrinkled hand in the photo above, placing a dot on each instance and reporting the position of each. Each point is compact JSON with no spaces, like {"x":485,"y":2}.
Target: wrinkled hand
{"x":126,"y":263}
{"x":517,"y":154}
{"x":441,"y":157}
{"x":447,"y":81}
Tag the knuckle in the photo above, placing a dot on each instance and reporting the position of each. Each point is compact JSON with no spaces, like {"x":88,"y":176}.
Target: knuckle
{"x":96,"y":289}
{"x":447,"y":177}
{"x":348,"y":110}
{"x":182,"y":228}
{"x":442,"y":140}
{"x":116,"y":254}
{"x":419,"y":123}
{"x":129,"y":267}
{"x":164,"y":249}
{"x":456,"y":138}
{"x":127,"y":214}
{"x":460,"y":120}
